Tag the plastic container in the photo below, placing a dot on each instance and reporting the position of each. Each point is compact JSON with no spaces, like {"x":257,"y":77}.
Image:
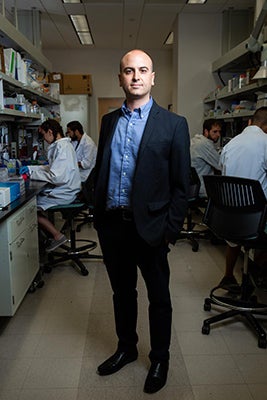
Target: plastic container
{"x":11,"y":166}
{"x":3,"y":173}
{"x":242,"y":81}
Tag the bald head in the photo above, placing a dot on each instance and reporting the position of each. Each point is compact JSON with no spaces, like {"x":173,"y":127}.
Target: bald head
{"x":136,"y":77}
{"x":136,"y":53}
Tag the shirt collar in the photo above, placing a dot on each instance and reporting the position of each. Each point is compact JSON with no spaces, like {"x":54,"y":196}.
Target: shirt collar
{"x":142,"y":111}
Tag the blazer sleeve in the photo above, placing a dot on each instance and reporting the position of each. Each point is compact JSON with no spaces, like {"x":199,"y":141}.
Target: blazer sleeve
{"x":179,"y":180}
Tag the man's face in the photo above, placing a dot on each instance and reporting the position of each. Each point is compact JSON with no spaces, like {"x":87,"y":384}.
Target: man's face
{"x":214,"y":133}
{"x":71,"y":134}
{"x":136,"y":76}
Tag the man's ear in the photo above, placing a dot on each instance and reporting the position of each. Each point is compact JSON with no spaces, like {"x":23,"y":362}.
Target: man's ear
{"x":153,"y":79}
{"x":119,"y":76}
{"x":264,"y":128}
{"x":249,"y":122}
{"x":206,"y":133}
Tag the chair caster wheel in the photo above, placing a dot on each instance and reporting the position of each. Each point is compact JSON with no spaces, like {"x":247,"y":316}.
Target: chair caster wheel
{"x":47,"y":269}
{"x":195,"y":247}
{"x":84,"y":272}
{"x":207,"y":304}
{"x":32,"y":288}
{"x":262,"y":343}
{"x":40,"y":284}
{"x":205,"y":329}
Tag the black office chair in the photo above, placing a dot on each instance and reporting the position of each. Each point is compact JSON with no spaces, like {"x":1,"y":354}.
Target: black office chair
{"x":72,"y":251}
{"x":237,"y":212}
{"x":85,"y":217}
{"x":195,"y":203}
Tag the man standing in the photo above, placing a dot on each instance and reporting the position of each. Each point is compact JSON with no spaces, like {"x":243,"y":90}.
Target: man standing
{"x":84,"y":146}
{"x":204,"y":156}
{"x":142,"y":178}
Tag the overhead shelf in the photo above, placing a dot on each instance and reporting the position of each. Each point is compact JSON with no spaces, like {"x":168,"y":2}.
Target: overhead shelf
{"x":34,"y":94}
{"x":237,"y":59}
{"x":11,"y":37}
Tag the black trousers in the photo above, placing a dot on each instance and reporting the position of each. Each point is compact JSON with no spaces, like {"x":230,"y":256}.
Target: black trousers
{"x":123,"y":251}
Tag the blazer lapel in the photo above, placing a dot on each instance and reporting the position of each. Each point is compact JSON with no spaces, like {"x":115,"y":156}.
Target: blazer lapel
{"x":149,"y":128}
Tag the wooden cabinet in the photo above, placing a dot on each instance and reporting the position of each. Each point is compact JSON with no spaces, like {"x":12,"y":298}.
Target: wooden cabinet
{"x":19,"y":256}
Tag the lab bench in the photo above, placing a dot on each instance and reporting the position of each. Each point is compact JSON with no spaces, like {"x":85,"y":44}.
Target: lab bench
{"x":18,"y":248}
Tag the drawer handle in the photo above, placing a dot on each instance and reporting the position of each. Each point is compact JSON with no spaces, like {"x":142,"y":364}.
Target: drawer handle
{"x":33,"y":227}
{"x":19,"y":221}
{"x":32,"y":209}
{"x":19,"y":242}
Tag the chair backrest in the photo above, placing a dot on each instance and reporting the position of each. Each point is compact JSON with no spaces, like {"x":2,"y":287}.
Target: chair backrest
{"x":236,"y":209}
{"x":87,"y":192}
{"x":194,"y":185}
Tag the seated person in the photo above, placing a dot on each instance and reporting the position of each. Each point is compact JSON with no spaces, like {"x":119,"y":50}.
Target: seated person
{"x":85,"y":148}
{"x":245,"y":156}
{"x":62,"y":174}
{"x":204,"y":156}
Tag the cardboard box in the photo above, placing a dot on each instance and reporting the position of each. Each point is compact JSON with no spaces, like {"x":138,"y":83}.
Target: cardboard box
{"x":4,"y":196}
{"x":14,"y":188}
{"x":77,"y":84}
{"x":56,"y":77}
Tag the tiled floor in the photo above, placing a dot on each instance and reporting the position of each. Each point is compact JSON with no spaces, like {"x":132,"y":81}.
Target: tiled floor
{"x":52,"y":346}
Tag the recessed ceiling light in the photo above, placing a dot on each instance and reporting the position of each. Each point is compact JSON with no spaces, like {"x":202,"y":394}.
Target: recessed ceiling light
{"x":196,"y":1}
{"x":71,"y":1}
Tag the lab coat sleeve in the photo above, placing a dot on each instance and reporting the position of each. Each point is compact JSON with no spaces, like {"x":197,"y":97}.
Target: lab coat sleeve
{"x":56,"y":173}
{"x":88,"y":156}
{"x":211,"y":156}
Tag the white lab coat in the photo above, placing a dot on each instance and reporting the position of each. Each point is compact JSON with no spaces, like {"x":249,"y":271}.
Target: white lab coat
{"x":204,"y":158}
{"x":62,"y":173}
{"x":245,"y":156}
{"x":86,"y":154}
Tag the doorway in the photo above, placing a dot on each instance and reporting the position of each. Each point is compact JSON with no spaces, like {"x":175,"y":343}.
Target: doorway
{"x":106,"y":105}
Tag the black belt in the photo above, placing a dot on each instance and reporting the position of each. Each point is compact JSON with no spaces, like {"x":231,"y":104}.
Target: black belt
{"x":121,"y":213}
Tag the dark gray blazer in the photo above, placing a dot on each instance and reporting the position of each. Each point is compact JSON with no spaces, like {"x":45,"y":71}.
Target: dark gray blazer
{"x":161,"y":179}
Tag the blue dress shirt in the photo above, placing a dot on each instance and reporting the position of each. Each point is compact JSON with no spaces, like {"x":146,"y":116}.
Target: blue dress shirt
{"x":124,"y":150}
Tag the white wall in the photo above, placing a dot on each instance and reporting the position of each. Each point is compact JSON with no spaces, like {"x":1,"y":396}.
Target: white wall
{"x":198,"y":45}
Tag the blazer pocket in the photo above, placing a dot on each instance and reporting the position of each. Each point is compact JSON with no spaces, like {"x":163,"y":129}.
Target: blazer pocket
{"x":156,"y":206}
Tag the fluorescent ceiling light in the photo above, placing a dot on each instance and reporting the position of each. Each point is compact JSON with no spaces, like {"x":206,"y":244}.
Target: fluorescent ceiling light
{"x":169,"y":39}
{"x":196,"y":1}
{"x":80,"y":22}
{"x":82,"y":29}
{"x":85,"y":37}
{"x":71,"y":1}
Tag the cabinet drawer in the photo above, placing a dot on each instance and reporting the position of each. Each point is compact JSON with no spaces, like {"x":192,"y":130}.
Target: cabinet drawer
{"x":16,"y":225}
{"x":31,"y":211}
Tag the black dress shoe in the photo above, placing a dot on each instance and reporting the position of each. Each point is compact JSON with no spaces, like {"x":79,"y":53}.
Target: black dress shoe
{"x":157,"y":377}
{"x":116,"y":362}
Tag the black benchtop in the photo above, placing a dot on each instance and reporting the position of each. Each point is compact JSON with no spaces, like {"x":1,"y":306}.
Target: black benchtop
{"x":32,"y":188}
